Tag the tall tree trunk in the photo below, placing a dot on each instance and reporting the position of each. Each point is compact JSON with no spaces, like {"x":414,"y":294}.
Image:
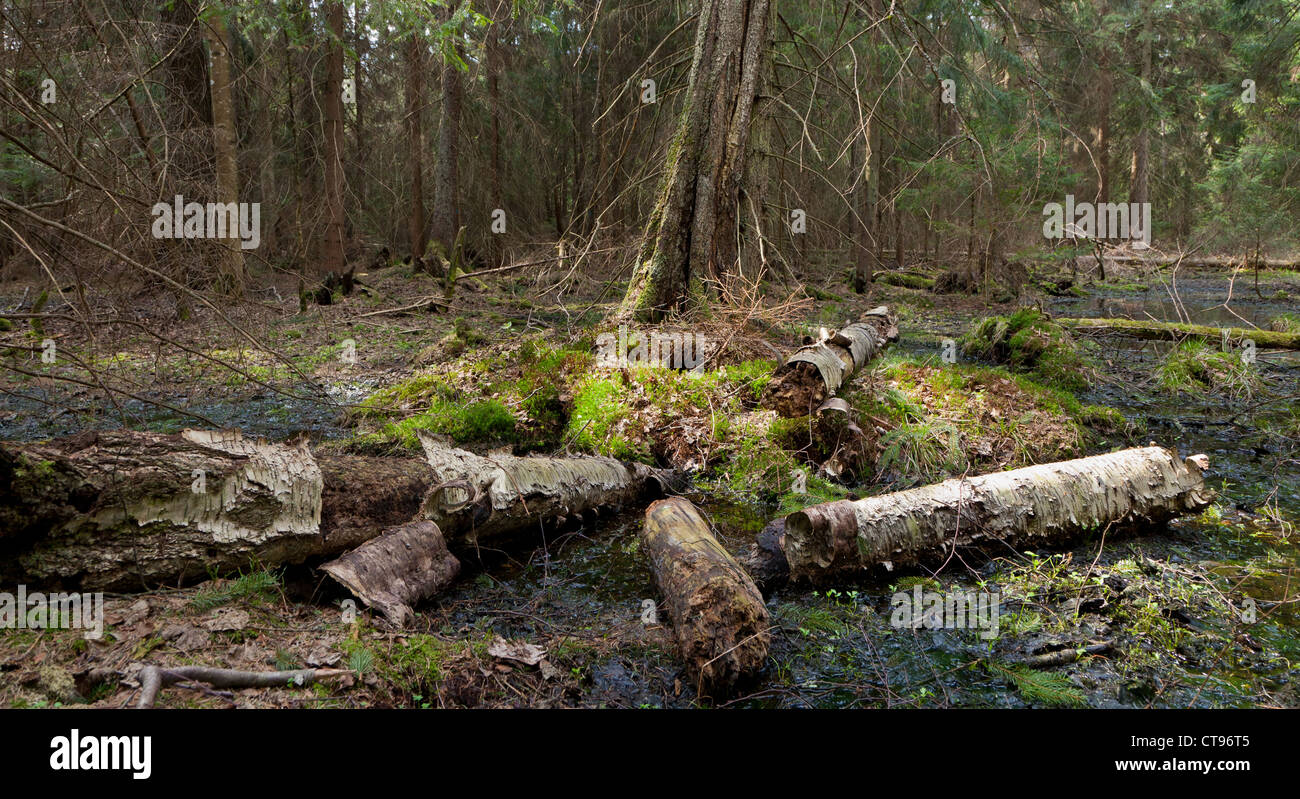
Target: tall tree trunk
{"x":1139,"y":190}
{"x":335,"y":219}
{"x":360,"y":43}
{"x":223,"y":133}
{"x":415,"y":142}
{"x":693,"y":226}
{"x":446,"y":176}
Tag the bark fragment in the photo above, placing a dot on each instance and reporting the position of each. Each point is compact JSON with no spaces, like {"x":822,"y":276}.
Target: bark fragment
{"x":1045,"y":504}
{"x":397,"y":569}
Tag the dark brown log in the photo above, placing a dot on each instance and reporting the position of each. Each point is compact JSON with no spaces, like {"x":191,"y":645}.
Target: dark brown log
{"x":1049,"y":504}
{"x":765,"y":558}
{"x":719,"y":621}
{"x":818,"y":370}
{"x":396,"y":570}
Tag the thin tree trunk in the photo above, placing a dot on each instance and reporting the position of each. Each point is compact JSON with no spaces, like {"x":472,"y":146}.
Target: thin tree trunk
{"x":444,"y":222}
{"x":223,"y":129}
{"x":335,"y":220}
{"x":415,"y":143}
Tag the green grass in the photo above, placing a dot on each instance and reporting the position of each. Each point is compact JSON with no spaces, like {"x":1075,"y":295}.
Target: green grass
{"x":1196,"y":367}
{"x":257,"y":586}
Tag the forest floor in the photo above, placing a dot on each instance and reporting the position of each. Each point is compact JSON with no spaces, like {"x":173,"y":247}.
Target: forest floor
{"x":1202,"y":613}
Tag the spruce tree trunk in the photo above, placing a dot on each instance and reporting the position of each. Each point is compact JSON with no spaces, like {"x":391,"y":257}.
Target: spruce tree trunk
{"x":415,"y":143}
{"x":693,"y":228}
{"x":335,"y":220}
{"x":231,"y":271}
{"x":446,"y":176}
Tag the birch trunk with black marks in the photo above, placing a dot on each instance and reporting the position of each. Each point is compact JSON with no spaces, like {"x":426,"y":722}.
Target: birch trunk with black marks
{"x":817,"y":371}
{"x":719,"y":622}
{"x":1046,"y":505}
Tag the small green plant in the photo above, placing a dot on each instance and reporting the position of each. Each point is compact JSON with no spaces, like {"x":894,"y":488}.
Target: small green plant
{"x":256,"y":586}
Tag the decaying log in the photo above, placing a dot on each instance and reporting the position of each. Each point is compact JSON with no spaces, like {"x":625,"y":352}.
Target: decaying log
{"x":765,"y":558}
{"x":719,"y":621}
{"x":124,"y":510}
{"x":396,"y":570}
{"x":816,"y":371}
{"x":1177,"y":331}
{"x":1040,"y":505}
{"x":480,"y":501}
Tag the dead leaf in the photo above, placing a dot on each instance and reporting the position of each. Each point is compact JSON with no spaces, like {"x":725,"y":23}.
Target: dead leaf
{"x":321,"y":656}
{"x":227,"y":619}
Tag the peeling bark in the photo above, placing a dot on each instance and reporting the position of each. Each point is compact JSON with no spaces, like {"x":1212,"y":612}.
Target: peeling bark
{"x":816,"y":371}
{"x":396,"y":570}
{"x":128,"y":510}
{"x":482,"y":501}
{"x":1048,"y":504}
{"x":720,"y":624}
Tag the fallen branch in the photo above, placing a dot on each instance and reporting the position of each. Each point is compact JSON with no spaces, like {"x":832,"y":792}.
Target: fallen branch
{"x":1040,"y":505}
{"x":719,"y":621}
{"x":154,"y":678}
{"x":818,"y":370}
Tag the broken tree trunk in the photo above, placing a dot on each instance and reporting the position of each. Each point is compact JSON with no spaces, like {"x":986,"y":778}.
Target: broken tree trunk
{"x":396,"y":570}
{"x":719,"y":621}
{"x":1177,"y":331}
{"x":127,"y":510}
{"x":818,"y":370}
{"x":1046,"y":504}
{"x":481,"y":501}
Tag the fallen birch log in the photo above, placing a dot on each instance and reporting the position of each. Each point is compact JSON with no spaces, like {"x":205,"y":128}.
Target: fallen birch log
{"x":719,"y":622}
{"x":396,"y":570}
{"x":482,"y":501}
{"x":1040,"y":505}
{"x":1177,"y":331}
{"x":124,"y":510}
{"x":818,"y":370}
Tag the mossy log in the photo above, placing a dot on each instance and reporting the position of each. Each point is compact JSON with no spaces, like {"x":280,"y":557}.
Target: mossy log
{"x":1177,"y":331}
{"x":396,"y":570}
{"x":1045,"y":505}
{"x":483,"y":501}
{"x":817,"y":370}
{"x":719,"y":622}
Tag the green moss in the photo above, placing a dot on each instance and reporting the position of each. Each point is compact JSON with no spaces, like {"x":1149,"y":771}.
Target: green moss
{"x":1029,"y":341}
{"x":599,"y":406}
